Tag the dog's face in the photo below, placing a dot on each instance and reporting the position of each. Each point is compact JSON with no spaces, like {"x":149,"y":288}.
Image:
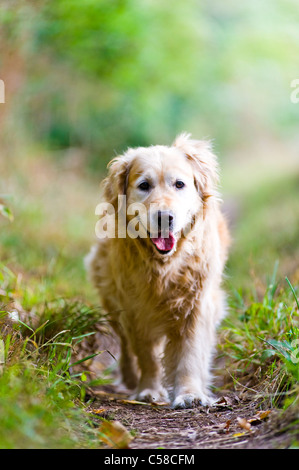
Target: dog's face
{"x":162,"y":180}
{"x":167,"y":187}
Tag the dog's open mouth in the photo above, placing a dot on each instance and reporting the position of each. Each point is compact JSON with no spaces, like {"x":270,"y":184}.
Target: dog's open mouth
{"x":164,"y":244}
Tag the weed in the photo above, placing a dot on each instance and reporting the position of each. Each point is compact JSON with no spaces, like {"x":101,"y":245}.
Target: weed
{"x":262,"y":343}
{"x":42,"y":393}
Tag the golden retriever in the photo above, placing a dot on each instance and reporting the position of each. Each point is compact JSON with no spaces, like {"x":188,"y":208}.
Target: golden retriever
{"x":159,"y":272}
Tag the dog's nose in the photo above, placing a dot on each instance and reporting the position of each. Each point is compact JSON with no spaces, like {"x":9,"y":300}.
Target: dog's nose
{"x":165,"y":220}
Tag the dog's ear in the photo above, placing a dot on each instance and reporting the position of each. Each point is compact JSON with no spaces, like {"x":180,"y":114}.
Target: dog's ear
{"x":117,"y":180}
{"x":204,"y":162}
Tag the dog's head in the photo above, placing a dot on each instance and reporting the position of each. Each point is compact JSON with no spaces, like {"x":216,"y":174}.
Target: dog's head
{"x":166,"y":189}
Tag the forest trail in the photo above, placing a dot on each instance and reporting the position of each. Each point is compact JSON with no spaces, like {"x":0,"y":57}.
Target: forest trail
{"x":236,"y":421}
{"x":241,"y":418}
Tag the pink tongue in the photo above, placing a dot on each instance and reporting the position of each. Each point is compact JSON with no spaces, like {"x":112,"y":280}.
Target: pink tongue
{"x":164,"y":244}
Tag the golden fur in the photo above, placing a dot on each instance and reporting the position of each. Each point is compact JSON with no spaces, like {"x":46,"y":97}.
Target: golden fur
{"x":165,"y":307}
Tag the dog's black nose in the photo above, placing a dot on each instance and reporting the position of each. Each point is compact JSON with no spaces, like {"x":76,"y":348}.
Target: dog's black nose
{"x":165,"y":220}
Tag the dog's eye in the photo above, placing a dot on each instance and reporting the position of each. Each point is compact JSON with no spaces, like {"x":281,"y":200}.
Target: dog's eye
{"x":144,"y":186}
{"x":179,"y":184}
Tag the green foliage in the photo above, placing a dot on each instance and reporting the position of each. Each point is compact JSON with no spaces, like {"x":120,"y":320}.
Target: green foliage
{"x":40,"y":398}
{"x":42,"y":390}
{"x":85,"y":80}
{"x":5,"y":211}
{"x":102,"y":75}
{"x":262,"y":343}
{"x":267,"y":230}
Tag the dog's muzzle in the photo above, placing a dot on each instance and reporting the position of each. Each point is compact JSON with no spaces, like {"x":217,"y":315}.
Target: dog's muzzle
{"x":162,"y":233}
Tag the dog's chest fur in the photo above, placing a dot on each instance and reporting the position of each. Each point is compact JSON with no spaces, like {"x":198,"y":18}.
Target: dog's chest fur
{"x":151,"y":290}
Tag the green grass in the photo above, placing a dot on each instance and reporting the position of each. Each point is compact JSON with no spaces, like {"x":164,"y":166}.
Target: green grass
{"x":267,"y":230}
{"x":36,"y":414}
{"x":261,"y":342}
{"x":260,"y":336}
{"x":46,"y":229}
{"x":43,"y":395}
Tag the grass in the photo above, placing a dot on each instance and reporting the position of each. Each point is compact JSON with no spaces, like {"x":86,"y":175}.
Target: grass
{"x":260,"y":337}
{"x":43,"y":381}
{"x":261,"y":341}
{"x":40,"y":399}
{"x":53,"y":227}
{"x":43,"y":394}
{"x":267,"y":230}
{"x":47,"y":227}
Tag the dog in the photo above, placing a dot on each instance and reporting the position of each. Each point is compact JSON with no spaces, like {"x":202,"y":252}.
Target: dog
{"x":161,"y":280}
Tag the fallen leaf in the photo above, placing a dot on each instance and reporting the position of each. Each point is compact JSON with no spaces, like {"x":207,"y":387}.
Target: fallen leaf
{"x":263,"y":414}
{"x":133,"y":402}
{"x":144,"y":403}
{"x":99,"y":411}
{"x":254,"y":421}
{"x":115,"y":435}
{"x":227,"y":425}
{"x":257,"y":419}
{"x":243,"y":423}
{"x":238,"y":434}
{"x":223,"y":403}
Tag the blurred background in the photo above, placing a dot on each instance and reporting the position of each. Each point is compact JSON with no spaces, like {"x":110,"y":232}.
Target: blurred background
{"x":85,"y":80}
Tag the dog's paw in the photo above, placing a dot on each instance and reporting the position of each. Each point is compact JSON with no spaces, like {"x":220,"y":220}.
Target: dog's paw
{"x":190,"y":400}
{"x":151,"y":395}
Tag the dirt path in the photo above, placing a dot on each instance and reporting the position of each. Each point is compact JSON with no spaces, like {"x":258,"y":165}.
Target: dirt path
{"x":240,"y":419}
{"x":233,"y":423}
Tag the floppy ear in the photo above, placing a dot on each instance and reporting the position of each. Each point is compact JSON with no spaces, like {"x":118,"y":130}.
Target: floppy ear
{"x":117,"y":180}
{"x":204,"y":162}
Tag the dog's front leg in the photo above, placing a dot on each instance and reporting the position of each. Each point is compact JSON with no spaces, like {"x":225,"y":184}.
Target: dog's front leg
{"x":150,"y":386}
{"x":187,"y":365}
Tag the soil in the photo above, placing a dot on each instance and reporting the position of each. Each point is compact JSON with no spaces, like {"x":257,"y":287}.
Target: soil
{"x":241,"y":418}
{"x":236,"y":421}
